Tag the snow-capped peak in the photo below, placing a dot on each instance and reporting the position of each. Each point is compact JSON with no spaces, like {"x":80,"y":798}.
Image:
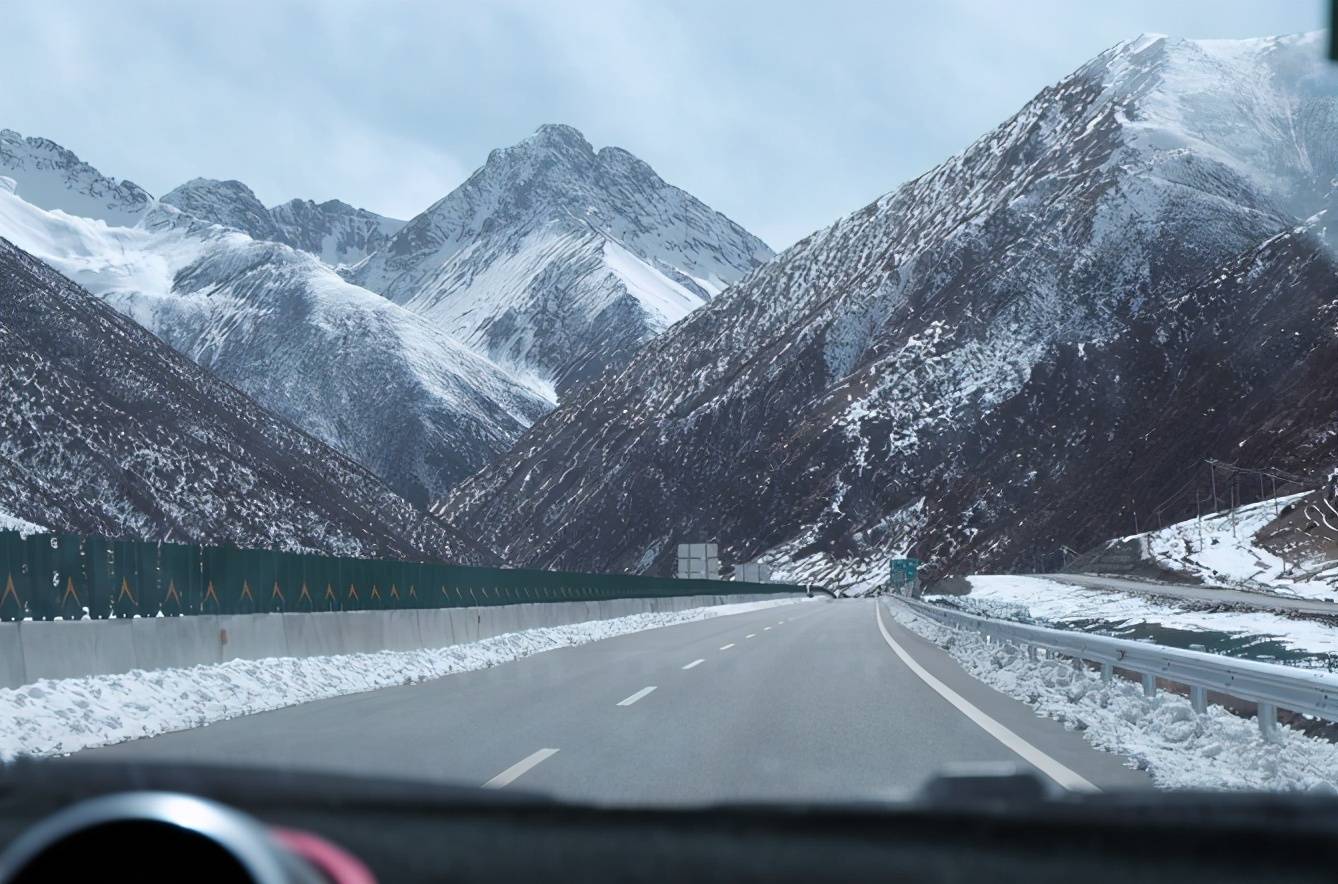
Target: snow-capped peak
{"x":559,"y":259}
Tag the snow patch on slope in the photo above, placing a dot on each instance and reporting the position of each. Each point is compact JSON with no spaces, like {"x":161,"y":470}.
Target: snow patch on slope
{"x":665,"y":300}
{"x":1221,"y":549}
{"x":10,"y":522}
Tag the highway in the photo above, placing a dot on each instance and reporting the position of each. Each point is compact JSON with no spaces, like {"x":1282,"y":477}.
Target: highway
{"x":809,"y":701}
{"x":1259,"y":601}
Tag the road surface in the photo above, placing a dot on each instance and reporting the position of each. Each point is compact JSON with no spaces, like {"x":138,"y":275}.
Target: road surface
{"x":1260,"y":601}
{"x":807,"y":702}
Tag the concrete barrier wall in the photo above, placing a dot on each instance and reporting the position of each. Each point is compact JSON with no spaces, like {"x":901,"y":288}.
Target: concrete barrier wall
{"x":33,"y":650}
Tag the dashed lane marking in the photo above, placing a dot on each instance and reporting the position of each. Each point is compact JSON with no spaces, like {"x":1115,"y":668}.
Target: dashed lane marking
{"x":509,"y":775}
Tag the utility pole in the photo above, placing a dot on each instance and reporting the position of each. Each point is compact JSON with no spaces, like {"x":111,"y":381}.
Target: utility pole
{"x":1198,"y":516}
{"x":1235,"y":498}
{"x":1212,"y":468}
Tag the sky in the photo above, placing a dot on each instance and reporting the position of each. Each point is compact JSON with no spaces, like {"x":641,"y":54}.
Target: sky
{"x":783,"y":115}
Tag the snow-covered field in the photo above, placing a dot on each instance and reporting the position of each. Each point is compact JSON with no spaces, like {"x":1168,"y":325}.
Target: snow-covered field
{"x":56,"y":717}
{"x":1063,"y":605}
{"x":1220,"y":549}
{"x":1162,"y":734}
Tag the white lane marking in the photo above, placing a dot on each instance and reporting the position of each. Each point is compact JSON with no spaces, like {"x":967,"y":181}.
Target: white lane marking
{"x":751,"y":635}
{"x":727,"y":647}
{"x":766,"y":628}
{"x":637,"y":696}
{"x":1038,"y":759}
{"x":511,"y":773}
{"x":694,"y":663}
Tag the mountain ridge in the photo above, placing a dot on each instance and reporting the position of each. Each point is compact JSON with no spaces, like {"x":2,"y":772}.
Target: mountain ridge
{"x":109,"y":431}
{"x":342,"y":363}
{"x":825,"y":412}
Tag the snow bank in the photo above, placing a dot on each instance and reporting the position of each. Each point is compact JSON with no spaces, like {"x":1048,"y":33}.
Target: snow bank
{"x":53,"y":717}
{"x":1162,"y":734}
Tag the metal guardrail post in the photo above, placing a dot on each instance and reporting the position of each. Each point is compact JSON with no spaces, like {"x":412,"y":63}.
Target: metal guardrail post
{"x":1149,"y":684}
{"x":1268,"y":721}
{"x":1107,"y":673}
{"x":1198,"y":699}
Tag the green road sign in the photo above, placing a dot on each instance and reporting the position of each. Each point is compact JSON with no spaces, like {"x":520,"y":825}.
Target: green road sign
{"x":902,"y":572}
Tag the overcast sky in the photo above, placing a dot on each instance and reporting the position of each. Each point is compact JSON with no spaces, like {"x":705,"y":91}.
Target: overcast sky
{"x":784,"y":115}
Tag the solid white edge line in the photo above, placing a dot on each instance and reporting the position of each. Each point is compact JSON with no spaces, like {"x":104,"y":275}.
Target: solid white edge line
{"x":695,"y":663}
{"x":1053,"y":769}
{"x":637,"y":696}
{"x":727,"y":647}
{"x":509,"y":775}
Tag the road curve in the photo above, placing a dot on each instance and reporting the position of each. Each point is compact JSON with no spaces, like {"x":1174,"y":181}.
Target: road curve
{"x":800,"y":702}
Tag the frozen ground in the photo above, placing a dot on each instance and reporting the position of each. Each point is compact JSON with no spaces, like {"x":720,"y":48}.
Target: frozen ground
{"x":1162,"y":734}
{"x":1064,"y":605}
{"x":56,"y":717}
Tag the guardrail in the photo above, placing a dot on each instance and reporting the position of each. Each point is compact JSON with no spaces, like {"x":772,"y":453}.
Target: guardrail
{"x":1270,"y":686}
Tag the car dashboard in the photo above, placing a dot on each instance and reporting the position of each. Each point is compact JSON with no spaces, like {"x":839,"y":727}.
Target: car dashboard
{"x":319,"y":827}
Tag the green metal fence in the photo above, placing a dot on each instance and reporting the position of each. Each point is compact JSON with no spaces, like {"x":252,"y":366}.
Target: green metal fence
{"x":69,"y":576}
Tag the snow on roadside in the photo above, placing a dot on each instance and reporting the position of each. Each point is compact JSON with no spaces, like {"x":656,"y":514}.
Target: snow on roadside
{"x":56,"y":717}
{"x":1062,"y":604}
{"x":1162,"y":734}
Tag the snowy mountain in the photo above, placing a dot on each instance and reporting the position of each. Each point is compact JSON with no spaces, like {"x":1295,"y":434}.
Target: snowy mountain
{"x":560,"y":260}
{"x":371,"y":379}
{"x":1017,"y":349}
{"x":333,"y":231}
{"x":107,"y":430}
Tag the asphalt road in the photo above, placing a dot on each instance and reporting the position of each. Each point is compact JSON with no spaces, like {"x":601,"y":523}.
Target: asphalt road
{"x":805,"y":702}
{"x":1261,"y":601}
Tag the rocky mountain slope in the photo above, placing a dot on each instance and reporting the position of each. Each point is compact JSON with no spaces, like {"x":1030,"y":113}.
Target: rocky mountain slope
{"x":335,"y":232}
{"x":373,"y":380}
{"x":1018,"y":349}
{"x":559,"y":260}
{"x":105,"y":429}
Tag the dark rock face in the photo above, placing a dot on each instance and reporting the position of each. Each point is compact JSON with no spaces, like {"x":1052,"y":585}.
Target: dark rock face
{"x":1017,"y":349}
{"x":107,"y":430}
